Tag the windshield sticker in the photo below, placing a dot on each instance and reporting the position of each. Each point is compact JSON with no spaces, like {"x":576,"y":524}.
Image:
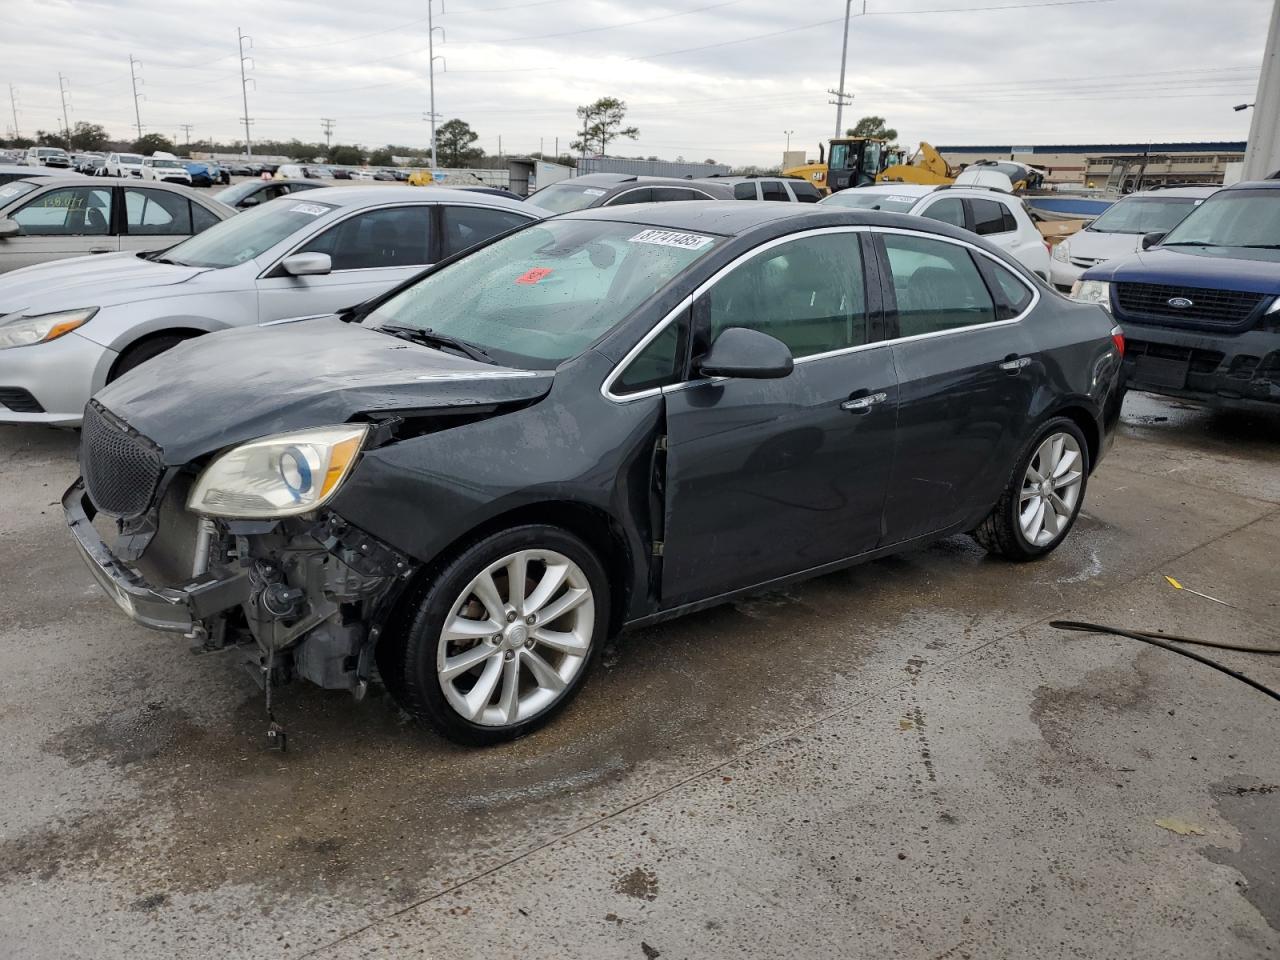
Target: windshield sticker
{"x":670,"y":238}
{"x":530,"y":277}
{"x":592,"y":192}
{"x":312,"y":209}
{"x":897,"y":199}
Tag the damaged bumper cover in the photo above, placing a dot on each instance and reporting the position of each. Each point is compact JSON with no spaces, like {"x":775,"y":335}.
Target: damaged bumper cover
{"x":173,"y":609}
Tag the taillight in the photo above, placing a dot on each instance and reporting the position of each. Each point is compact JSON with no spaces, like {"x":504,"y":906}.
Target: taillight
{"x":1117,"y":337}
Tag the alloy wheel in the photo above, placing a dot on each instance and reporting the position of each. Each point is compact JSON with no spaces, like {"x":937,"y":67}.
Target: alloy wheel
{"x":516,"y":637}
{"x":1050,"y":492}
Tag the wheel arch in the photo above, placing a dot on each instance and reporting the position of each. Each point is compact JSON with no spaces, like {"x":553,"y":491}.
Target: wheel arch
{"x":179,"y":329}
{"x":1083,"y":418}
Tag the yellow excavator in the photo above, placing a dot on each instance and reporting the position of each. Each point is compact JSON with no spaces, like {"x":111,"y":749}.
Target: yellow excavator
{"x":928,"y":166}
{"x":858,"y":161}
{"x":852,"y":162}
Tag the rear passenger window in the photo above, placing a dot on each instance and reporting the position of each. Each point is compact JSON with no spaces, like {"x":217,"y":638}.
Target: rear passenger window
{"x":464,"y":227}
{"x":663,"y":194}
{"x":656,"y":365}
{"x":950,"y":210}
{"x":937,"y":285}
{"x":1010,"y":224}
{"x":201,"y":219}
{"x":744,"y":191}
{"x":805,"y":192}
{"x":989,"y":217}
{"x":395,"y":237}
{"x":157,"y":213}
{"x":1014,"y":292}
{"x":639,"y":195}
{"x":773,"y":190}
{"x":808,"y":293}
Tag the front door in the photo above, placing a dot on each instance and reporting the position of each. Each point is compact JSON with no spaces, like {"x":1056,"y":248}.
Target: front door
{"x":371,"y":252}
{"x":771,"y":477}
{"x":60,"y":222}
{"x":967,"y":373}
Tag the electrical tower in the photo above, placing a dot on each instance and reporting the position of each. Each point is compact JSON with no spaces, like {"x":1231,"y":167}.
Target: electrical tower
{"x":244,"y":89}
{"x":133,"y":74}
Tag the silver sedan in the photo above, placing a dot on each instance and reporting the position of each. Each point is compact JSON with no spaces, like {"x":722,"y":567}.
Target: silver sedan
{"x":70,"y":327}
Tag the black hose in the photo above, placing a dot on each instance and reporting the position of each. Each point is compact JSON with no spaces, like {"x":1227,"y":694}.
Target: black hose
{"x":1164,"y":643}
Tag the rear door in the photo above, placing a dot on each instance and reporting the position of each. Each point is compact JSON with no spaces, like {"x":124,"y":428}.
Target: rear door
{"x":967,"y":373}
{"x":462,"y":227}
{"x":154,"y":219}
{"x":60,"y":222}
{"x":770,"y":477}
{"x":371,"y":252}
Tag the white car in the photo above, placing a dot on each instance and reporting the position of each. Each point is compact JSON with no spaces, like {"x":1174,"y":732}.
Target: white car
{"x":123,"y":165}
{"x":999,"y":217}
{"x":362,"y":173}
{"x":48,"y":157}
{"x":165,"y":168}
{"x":1119,"y":230}
{"x":68,"y":328}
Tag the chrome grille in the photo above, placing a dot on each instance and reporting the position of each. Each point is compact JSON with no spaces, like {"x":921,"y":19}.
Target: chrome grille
{"x":1209,"y":309}
{"x":121,"y":470}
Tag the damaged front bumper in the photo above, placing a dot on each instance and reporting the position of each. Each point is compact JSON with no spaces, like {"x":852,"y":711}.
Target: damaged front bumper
{"x":311,"y":592}
{"x":174,"y":609}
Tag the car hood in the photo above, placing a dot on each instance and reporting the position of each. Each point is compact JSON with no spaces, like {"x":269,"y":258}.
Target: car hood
{"x":244,"y":383}
{"x":90,"y":281}
{"x":1252,"y":271}
{"x":1102,"y":246}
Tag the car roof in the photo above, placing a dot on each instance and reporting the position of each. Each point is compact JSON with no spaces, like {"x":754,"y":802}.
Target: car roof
{"x":30,"y":173}
{"x":701,"y":216}
{"x":80,"y":180}
{"x":902,"y":189}
{"x":742,"y":177}
{"x":1197,"y":193}
{"x":1255,"y":185}
{"x":625,"y":179}
{"x":370,"y":196}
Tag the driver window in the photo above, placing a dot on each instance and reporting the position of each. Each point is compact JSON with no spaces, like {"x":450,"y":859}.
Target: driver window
{"x":809,"y":293}
{"x":67,"y":212}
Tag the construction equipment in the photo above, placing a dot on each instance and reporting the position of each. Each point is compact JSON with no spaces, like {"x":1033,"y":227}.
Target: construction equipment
{"x":852,"y":162}
{"x":928,"y":166}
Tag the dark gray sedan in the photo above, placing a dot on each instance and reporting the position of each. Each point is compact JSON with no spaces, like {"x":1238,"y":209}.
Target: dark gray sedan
{"x":601,"y":420}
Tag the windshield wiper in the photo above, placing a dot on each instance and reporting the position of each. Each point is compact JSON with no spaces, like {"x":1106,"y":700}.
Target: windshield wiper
{"x":429,"y":338}
{"x":1190,"y":243}
{"x":1258,"y":246}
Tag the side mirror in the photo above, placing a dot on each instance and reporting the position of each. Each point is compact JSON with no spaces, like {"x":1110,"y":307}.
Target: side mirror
{"x":307,"y":265}
{"x":250,"y":202}
{"x":1151,"y":239}
{"x":9,"y":228}
{"x":747,"y":354}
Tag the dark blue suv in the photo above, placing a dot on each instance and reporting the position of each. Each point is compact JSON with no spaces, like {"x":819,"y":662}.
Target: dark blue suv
{"x":1200,"y":306}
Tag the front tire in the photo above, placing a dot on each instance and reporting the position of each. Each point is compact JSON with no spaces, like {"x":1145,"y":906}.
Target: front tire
{"x":140,"y":353}
{"x":505,"y":635}
{"x":1043,"y":497}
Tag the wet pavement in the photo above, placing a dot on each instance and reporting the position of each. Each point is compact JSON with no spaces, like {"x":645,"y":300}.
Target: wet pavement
{"x":899,"y":760}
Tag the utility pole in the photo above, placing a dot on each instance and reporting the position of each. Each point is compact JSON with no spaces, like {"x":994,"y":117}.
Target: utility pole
{"x":186,"y":129}
{"x":1262,"y":155}
{"x":327,"y":124}
{"x":244,"y":90}
{"x":66,"y":123}
{"x":585,"y":128}
{"x":499,"y":146}
{"x":13,"y":102}
{"x":431,"y":70}
{"x":843,"y":99}
{"x":133,"y":73}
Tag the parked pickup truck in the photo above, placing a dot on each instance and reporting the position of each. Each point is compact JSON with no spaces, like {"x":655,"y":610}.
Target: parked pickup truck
{"x":1200,"y":306}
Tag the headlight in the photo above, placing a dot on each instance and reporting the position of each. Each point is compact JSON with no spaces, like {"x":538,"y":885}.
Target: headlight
{"x":1092,"y":291}
{"x":41,"y":329}
{"x":1061,"y":252}
{"x":278,"y":476}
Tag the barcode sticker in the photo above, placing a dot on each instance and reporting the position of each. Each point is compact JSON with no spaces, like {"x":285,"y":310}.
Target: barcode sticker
{"x":670,"y":238}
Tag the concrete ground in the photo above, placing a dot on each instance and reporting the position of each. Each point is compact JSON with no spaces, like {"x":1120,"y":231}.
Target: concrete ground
{"x":900,"y":760}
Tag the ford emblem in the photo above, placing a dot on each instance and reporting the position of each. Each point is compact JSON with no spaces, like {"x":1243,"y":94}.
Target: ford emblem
{"x":1181,"y":303}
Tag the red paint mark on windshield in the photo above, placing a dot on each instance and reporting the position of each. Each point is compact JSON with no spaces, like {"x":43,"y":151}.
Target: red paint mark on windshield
{"x":533,"y":276}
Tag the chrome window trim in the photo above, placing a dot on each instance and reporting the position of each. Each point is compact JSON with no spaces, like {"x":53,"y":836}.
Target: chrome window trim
{"x":687,"y":302}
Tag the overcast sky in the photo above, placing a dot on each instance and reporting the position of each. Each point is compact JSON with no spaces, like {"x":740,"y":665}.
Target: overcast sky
{"x":698,"y":77}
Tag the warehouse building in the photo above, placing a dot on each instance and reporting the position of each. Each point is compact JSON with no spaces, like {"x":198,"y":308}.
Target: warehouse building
{"x":1085,"y":165}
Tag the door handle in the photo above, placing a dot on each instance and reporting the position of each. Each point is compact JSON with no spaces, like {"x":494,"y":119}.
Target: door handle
{"x":1014,"y":364}
{"x":863,"y":404}
{"x":99,"y":249}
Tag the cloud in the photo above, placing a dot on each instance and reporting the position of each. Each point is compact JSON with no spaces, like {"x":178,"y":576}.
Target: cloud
{"x":1124,"y":70}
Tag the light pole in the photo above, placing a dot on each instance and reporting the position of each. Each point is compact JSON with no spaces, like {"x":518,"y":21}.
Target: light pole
{"x":1262,"y":154}
{"x":788,"y":134}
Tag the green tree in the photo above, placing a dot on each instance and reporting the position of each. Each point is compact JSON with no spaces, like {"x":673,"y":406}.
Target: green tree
{"x":151,"y":143}
{"x":381,"y":157}
{"x":345,"y":156}
{"x":453,"y":144}
{"x":89,"y":136}
{"x":872,"y":127}
{"x":602,"y":122}
{"x":46,"y":139}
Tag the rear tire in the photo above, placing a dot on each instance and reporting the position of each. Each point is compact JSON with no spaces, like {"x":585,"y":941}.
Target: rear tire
{"x":1043,"y":496}
{"x":140,"y":353}
{"x":485,"y":663}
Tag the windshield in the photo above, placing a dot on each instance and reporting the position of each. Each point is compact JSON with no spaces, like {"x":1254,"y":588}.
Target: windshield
{"x":563,"y":197}
{"x":871,"y":200}
{"x":839,"y":158}
{"x":547,"y":292}
{"x":1232,"y":218}
{"x":1143,"y":215}
{"x":131,"y":158}
{"x":234,"y":194}
{"x":13,"y":190}
{"x":167,"y":163}
{"x":51,"y":152}
{"x":247,"y":235}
